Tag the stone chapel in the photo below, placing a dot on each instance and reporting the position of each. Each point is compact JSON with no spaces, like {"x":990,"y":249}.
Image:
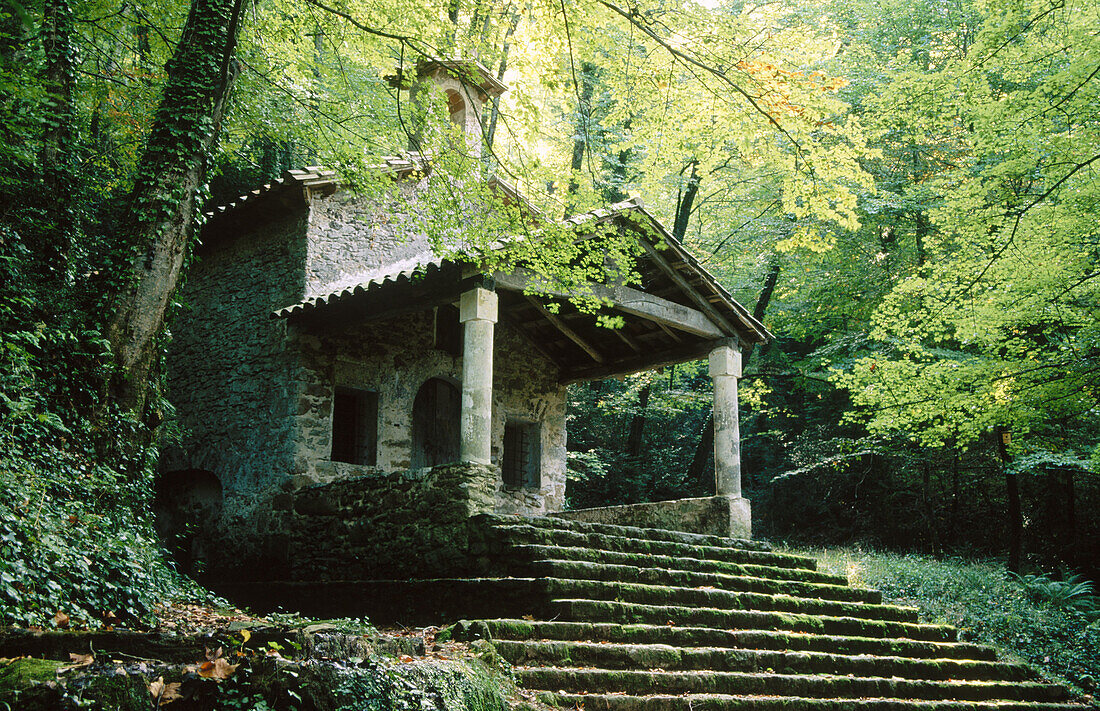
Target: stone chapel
{"x":346,"y":399}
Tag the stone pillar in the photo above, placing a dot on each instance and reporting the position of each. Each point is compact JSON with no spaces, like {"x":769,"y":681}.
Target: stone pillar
{"x":725,"y":369}
{"x":478,"y":313}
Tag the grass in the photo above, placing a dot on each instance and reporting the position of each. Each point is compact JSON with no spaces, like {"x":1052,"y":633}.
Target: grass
{"x":985,"y":603}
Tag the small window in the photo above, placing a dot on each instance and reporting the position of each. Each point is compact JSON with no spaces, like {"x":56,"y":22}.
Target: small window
{"x":520,"y":464}
{"x":355,"y":426}
{"x":448,"y":331}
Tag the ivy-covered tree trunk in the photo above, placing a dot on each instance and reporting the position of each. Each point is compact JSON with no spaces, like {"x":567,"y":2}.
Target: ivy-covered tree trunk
{"x":57,"y":141}
{"x":164,"y":206}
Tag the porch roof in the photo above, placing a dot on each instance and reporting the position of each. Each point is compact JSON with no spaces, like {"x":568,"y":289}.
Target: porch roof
{"x":677,"y":313}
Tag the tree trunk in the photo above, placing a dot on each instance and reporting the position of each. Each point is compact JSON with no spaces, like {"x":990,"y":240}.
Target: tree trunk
{"x":931,"y":525}
{"x":683,"y":205}
{"x":1012,"y":491}
{"x":162,"y":209}
{"x":580,"y":136}
{"x":637,"y":424}
{"x":506,"y":47}
{"x":704,"y":450}
{"x":57,"y":141}
{"x":1071,"y":520}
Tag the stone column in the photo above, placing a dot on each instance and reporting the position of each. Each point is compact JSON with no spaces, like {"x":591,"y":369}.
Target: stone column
{"x":478,"y":313}
{"x":725,"y":369}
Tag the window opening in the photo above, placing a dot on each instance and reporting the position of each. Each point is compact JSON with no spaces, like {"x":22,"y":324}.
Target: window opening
{"x":355,"y":426}
{"x":520,"y":465}
{"x":448,"y":330}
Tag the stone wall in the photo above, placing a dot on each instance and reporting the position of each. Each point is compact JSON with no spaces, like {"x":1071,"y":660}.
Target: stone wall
{"x":384,"y":525}
{"x":231,"y":370}
{"x":351,"y":239}
{"x":394,"y":358}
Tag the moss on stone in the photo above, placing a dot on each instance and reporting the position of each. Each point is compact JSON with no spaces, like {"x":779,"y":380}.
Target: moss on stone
{"x":20,"y":674}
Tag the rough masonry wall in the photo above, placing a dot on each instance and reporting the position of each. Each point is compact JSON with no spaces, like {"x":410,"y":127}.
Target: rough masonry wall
{"x":352,"y":239}
{"x":231,"y":376}
{"x":394,"y":358}
{"x":391,"y":525}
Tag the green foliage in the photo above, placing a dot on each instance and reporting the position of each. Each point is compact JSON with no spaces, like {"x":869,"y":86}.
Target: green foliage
{"x":603,"y":470}
{"x":75,"y":531}
{"x":988,"y":606}
{"x":1075,"y":592}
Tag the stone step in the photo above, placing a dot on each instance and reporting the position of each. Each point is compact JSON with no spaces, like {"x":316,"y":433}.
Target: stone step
{"x":587,"y":610}
{"x":523,"y":552}
{"x":607,"y":681}
{"x":723,"y":599}
{"x":584,"y":570}
{"x":669,"y":658}
{"x":535,"y":535}
{"x":652,"y":534}
{"x":686,"y":636}
{"x":724,"y":702}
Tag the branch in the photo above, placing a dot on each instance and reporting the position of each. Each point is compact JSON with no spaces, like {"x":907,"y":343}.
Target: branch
{"x":1016,"y":226}
{"x":404,"y":39}
{"x":632,"y":18}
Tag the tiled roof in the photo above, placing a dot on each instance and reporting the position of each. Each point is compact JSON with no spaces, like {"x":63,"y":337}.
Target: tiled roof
{"x":400,"y":272}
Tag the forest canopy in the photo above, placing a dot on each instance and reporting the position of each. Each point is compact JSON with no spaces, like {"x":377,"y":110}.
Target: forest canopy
{"x":905,"y":191}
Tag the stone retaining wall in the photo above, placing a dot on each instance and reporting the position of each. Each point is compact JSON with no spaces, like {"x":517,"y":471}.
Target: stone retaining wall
{"x":375,"y":526}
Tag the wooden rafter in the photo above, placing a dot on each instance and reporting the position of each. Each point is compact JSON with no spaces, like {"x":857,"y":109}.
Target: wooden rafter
{"x":565,"y":329}
{"x":690,"y":291}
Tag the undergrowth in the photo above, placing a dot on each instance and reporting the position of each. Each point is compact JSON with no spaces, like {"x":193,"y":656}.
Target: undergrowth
{"x":988,"y":605}
{"x":77,"y":545}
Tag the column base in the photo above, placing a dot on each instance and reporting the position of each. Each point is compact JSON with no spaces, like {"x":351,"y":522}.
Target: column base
{"x":727,"y":516}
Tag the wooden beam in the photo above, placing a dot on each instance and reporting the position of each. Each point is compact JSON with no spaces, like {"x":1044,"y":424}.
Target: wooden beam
{"x":669,"y":333}
{"x":629,"y":301}
{"x":690,"y":291}
{"x":519,"y":325}
{"x":649,"y":361}
{"x":627,"y":340}
{"x":566,"y":330}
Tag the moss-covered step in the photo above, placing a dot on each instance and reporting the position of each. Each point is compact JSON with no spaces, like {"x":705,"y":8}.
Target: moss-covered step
{"x":653,"y":534}
{"x":668,"y":657}
{"x":686,"y":636}
{"x":721,"y":702}
{"x":712,"y":597}
{"x":586,"y":610}
{"x":572,"y":679}
{"x":585,"y":570}
{"x":535,"y":535}
{"x":520,"y":553}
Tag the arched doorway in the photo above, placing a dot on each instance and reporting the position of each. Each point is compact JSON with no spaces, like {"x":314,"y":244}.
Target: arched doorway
{"x":435,"y":429}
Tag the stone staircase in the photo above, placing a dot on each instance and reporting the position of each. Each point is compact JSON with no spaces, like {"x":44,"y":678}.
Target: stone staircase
{"x":631,"y":619}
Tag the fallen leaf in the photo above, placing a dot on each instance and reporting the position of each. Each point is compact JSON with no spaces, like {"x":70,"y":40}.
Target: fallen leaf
{"x":61,"y":619}
{"x":78,"y":661}
{"x":218,"y":669}
{"x":171,"y":693}
{"x":164,"y":693}
{"x":405,"y":658}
